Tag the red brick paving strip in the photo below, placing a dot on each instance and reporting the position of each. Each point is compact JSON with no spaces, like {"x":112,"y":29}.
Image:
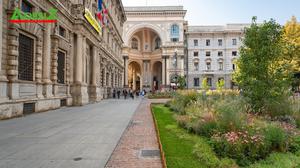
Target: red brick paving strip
{"x":138,"y":136}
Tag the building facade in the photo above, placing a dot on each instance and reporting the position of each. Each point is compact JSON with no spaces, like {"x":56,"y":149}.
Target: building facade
{"x":153,"y":50}
{"x":212,"y":53}
{"x":48,"y":65}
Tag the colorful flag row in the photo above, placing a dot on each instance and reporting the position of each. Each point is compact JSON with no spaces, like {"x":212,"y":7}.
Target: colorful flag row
{"x":102,"y":14}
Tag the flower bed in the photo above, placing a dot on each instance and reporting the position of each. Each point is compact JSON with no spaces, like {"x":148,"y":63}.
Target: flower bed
{"x":233,"y":131}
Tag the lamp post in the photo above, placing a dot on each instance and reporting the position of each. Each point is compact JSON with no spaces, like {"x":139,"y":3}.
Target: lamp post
{"x":175,"y":66}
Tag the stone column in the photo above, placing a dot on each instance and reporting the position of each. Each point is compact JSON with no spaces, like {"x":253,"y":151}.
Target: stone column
{"x":80,"y":93}
{"x":182,"y":65}
{"x":94,"y":62}
{"x":78,"y":59}
{"x":47,"y":87}
{"x":125,"y":71}
{"x":167,"y":71}
{"x":3,"y":79}
{"x":164,"y":70}
{"x":94,"y":93}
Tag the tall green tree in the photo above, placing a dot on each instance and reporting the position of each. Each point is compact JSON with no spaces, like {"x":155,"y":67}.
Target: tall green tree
{"x":260,"y":75}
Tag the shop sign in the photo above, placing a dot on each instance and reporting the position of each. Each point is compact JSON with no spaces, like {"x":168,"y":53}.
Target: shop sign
{"x":89,"y":17}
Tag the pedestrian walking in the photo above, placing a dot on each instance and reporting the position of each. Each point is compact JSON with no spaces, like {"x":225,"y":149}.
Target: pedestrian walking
{"x":114,"y":93}
{"x":118,"y":93}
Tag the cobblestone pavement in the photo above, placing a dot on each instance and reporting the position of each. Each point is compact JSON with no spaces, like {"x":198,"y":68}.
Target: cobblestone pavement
{"x":139,"y":135}
{"x":75,"y":137}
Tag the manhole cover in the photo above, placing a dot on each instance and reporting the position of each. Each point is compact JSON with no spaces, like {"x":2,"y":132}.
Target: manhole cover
{"x":77,"y":159}
{"x":150,"y":153}
{"x":133,"y":123}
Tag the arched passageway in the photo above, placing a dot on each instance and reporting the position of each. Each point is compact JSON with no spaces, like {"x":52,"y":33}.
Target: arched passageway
{"x":134,"y":76}
{"x":157,"y":75}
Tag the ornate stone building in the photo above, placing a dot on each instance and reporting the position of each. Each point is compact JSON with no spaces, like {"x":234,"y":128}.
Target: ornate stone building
{"x":153,"y":50}
{"x":212,"y":53}
{"x":48,"y":65}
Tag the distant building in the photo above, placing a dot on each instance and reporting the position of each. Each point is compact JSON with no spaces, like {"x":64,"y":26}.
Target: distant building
{"x":153,"y":46}
{"x":212,"y":52}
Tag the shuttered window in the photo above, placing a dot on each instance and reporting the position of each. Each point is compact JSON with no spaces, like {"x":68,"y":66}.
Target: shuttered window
{"x":61,"y":67}
{"x":25,"y":59}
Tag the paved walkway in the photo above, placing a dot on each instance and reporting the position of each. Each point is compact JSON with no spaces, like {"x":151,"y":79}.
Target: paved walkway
{"x":140,"y":135}
{"x":72,"y":137}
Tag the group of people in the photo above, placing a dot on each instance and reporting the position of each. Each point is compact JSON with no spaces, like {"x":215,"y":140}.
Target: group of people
{"x":132,"y":94}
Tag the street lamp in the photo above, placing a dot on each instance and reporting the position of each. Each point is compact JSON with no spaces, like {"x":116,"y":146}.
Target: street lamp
{"x":175,"y":65}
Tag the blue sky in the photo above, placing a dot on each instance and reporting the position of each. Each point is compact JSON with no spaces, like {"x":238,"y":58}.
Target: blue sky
{"x":219,"y":12}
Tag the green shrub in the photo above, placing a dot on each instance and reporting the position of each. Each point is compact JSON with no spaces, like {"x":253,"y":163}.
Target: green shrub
{"x":276,"y":137}
{"x":278,"y":106}
{"x":231,"y":115}
{"x":206,"y":129}
{"x":278,"y":160}
{"x":294,"y":144}
{"x":207,"y":156}
{"x":181,"y":100}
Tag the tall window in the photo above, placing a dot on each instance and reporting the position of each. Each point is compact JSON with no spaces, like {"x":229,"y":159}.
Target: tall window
{"x":25,"y":59}
{"x":207,"y":42}
{"x":208,"y":66}
{"x":102,"y":78}
{"x":221,"y":65}
{"x":61,"y":67}
{"x":220,"y":42}
{"x":196,"y":54}
{"x":233,"y":41}
{"x":157,"y":43}
{"x":209,"y":81}
{"x":62,"y":31}
{"x":134,"y":43}
{"x":195,"y":42}
{"x":26,"y":7}
{"x":174,"y":33}
{"x":196,"y":82}
{"x":196,"y":66}
{"x":233,"y":66}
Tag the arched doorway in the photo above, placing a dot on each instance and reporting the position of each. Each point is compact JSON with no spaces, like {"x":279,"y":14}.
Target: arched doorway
{"x":134,"y":76}
{"x":157,"y":75}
